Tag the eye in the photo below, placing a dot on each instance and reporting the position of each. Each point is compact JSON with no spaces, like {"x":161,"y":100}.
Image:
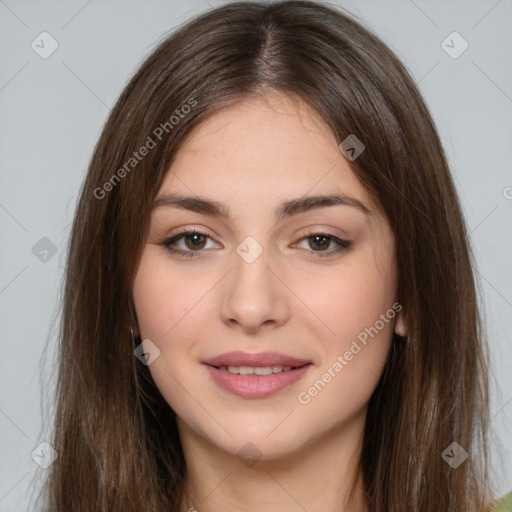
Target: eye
{"x":323,"y":241}
{"x":194,"y":242}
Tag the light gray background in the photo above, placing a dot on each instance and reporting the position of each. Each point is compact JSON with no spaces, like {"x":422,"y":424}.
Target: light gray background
{"x":53,"y":109}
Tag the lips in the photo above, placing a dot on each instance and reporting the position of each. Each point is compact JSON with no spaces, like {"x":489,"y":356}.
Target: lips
{"x":239,"y":358}
{"x":257,"y":375}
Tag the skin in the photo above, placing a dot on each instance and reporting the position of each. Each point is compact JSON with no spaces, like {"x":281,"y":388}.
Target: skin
{"x":252,"y":156}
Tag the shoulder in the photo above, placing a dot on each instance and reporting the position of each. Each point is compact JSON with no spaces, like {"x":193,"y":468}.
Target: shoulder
{"x":504,"y":504}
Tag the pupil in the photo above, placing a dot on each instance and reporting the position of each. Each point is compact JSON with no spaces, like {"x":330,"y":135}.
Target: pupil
{"x":195,"y":239}
{"x":320,"y":237}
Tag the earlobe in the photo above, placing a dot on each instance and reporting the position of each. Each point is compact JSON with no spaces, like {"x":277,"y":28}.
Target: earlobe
{"x":400,"y":327}
{"x":133,"y":322}
{"x":134,"y":331}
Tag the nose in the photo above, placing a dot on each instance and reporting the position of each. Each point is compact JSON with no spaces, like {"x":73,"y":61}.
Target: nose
{"x":253,"y":296}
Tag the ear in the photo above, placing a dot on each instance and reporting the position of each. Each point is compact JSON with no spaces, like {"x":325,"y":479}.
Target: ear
{"x":400,"y":327}
{"x":133,"y":322}
{"x":135,"y":330}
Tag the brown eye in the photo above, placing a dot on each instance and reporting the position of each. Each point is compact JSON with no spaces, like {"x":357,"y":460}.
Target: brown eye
{"x":193,"y":243}
{"x":320,"y":242}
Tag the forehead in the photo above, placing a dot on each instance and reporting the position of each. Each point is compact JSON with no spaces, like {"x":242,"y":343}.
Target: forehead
{"x":261,"y":147}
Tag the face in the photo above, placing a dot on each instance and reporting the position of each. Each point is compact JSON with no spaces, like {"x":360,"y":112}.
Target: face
{"x":313,"y":280}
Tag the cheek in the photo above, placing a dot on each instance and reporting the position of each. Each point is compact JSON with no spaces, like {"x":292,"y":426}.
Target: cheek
{"x":357,"y":308}
{"x":354,"y":301}
{"x":354,"y":353}
{"x":165,"y":301}
{"x":162,"y":298}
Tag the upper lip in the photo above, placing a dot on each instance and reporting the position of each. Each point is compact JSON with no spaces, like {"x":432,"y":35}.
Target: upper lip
{"x":239,"y":358}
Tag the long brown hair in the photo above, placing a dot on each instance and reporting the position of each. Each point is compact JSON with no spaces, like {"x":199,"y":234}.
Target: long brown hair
{"x":116,"y":437}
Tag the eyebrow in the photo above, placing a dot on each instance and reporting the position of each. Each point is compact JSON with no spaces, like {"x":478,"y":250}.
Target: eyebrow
{"x":286,"y":209}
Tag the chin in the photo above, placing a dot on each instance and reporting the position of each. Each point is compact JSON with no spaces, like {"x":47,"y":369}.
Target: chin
{"x":255,"y":437}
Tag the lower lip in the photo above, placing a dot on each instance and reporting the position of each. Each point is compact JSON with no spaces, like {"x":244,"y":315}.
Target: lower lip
{"x":256,"y":386}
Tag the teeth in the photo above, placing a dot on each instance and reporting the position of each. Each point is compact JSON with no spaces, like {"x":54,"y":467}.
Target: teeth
{"x":242,"y":370}
{"x":255,"y":370}
{"x":263,"y":370}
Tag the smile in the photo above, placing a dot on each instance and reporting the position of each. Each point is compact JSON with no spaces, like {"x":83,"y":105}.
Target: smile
{"x":255,"y":370}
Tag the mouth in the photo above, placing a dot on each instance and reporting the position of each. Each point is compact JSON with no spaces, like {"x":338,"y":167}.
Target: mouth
{"x":258,"y":370}
{"x":256,"y":375}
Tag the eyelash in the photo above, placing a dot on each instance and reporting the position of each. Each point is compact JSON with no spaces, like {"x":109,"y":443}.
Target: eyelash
{"x":343,"y":245}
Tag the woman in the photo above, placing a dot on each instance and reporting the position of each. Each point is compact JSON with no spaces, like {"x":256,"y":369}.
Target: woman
{"x":269,"y":281}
